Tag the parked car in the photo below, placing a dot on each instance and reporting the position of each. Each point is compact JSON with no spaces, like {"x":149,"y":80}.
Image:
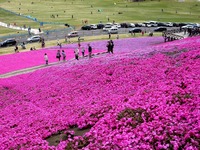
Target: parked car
{"x":135,"y":30}
{"x":109,"y":24}
{"x":106,"y":28}
{"x":196,"y":25}
{"x":151,"y":25}
{"x":132,"y":25}
{"x":125,"y":25}
{"x":160,"y":29}
{"x":86,"y":27}
{"x":8,"y":42}
{"x":117,"y":25}
{"x":93,"y":26}
{"x":73,"y":34}
{"x":140,"y":25}
{"x":113,"y":30}
{"x":161,"y":24}
{"x":100,"y":26}
{"x":187,"y":27}
{"x":175,"y":24}
{"x":35,"y":38}
{"x":182,"y":24}
{"x":169,"y":24}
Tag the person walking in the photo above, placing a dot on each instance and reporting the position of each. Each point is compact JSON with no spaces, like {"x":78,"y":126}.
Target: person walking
{"x":16,"y":49}
{"x":43,"y":44}
{"x":109,"y":35}
{"x":90,"y":50}
{"x":59,"y":44}
{"x":83,"y":51}
{"x":111,"y":46}
{"x":108,"y":47}
{"x":58,"y":55}
{"x":46,"y":58}
{"x":79,"y":44}
{"x":64,"y":55}
{"x":76,"y":51}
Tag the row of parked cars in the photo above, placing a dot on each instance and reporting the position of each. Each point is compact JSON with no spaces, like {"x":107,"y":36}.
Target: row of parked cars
{"x":144,"y":24}
{"x":160,"y":26}
{"x":107,"y":26}
{"x":101,"y":26}
{"x":12,"y":41}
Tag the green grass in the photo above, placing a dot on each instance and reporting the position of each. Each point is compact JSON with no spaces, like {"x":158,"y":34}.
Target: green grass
{"x":174,"y":11}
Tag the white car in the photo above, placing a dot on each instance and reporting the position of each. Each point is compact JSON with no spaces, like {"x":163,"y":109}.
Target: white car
{"x":109,"y":24}
{"x":197,"y":25}
{"x":106,"y":28}
{"x":187,"y":27}
{"x":35,"y":38}
{"x":73,"y":34}
{"x":132,"y":25}
{"x":169,"y":24}
{"x":141,"y":25}
{"x":93,"y":26}
{"x":116,"y":25}
{"x":152,"y":24}
{"x":113,"y":30}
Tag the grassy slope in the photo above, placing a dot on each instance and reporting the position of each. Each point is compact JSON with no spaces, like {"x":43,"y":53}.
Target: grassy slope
{"x":134,"y":12}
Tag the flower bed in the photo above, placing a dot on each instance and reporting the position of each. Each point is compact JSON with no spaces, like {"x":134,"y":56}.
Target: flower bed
{"x":17,"y":61}
{"x":13,"y":62}
{"x":126,"y":102}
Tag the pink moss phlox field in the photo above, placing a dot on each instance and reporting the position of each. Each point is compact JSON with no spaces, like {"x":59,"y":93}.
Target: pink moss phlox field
{"x":22,"y":60}
{"x":144,"y":103}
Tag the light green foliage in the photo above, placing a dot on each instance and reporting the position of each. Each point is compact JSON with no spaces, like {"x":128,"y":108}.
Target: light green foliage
{"x":173,"y":11}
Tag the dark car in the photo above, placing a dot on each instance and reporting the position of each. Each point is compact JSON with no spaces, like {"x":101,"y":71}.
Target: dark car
{"x":160,"y":29}
{"x":8,"y":42}
{"x":135,"y":30}
{"x":161,"y":24}
{"x":100,"y":26}
{"x":125,"y":25}
{"x":86,"y":27}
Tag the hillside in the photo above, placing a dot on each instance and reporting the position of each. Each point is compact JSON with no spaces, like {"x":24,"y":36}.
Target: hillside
{"x":143,"y":99}
{"x":61,"y":11}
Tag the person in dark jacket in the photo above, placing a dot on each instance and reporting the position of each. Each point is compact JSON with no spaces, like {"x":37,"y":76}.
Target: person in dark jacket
{"x":90,"y":50}
{"x":111,"y":46}
{"x":108,"y":47}
{"x":58,"y":55}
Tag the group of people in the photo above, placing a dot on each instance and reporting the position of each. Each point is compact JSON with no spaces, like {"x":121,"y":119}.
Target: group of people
{"x":59,"y":54}
{"x":23,"y":46}
{"x":62,"y":54}
{"x":32,"y":48}
{"x":110,"y":46}
{"x":76,"y":51}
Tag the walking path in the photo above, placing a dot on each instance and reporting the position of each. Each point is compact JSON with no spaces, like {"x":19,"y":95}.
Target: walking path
{"x":32,"y":69}
{"x":34,"y":31}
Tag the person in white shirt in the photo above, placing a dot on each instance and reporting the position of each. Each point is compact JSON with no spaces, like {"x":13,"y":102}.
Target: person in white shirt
{"x":46,"y":58}
{"x":76,"y":51}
